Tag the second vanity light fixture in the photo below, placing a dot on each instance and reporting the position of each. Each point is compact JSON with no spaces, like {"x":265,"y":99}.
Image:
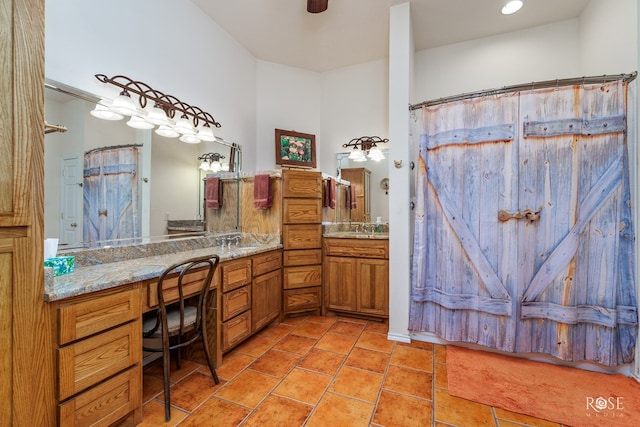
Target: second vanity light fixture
{"x":368,"y":148}
{"x":173,"y":117}
{"x":211,"y":162}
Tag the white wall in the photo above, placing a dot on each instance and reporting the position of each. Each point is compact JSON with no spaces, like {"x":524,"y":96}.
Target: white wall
{"x":609,"y":37}
{"x":355,"y":102}
{"x":288,"y":98}
{"x":547,"y":52}
{"x":401,"y":63}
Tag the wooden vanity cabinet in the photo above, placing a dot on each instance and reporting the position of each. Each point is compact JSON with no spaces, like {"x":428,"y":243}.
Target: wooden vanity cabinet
{"x":266,"y":289}
{"x":236,"y":279}
{"x":356,"y":276}
{"x":99,"y":357}
{"x":302,"y":242}
{"x":251,"y":296}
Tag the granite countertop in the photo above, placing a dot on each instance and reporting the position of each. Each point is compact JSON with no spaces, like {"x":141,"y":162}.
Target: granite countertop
{"x":355,"y":235}
{"x":100,"y":276}
{"x":348,"y":230}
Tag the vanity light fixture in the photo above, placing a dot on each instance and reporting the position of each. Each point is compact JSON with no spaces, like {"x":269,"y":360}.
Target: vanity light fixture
{"x":192,"y":119}
{"x":211,"y":162}
{"x":512,"y":6}
{"x":367,"y":148}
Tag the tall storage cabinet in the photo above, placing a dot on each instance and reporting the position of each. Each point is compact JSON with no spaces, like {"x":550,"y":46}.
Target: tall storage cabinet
{"x":360,"y":178}
{"x":27,"y":378}
{"x":302,"y":241}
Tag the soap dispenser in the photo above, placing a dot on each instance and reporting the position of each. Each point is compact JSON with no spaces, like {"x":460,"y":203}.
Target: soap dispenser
{"x":378,"y":224}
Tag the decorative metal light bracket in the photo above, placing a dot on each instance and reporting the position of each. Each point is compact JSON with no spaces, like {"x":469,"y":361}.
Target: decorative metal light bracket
{"x":365,"y":143}
{"x":211,"y":157}
{"x":169,"y":103}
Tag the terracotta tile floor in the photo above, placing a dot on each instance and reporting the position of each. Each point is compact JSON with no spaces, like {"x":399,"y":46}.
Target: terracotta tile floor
{"x":321,"y":371}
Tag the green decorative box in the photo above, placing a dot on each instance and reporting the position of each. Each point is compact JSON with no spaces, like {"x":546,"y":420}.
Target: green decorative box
{"x":61,"y":265}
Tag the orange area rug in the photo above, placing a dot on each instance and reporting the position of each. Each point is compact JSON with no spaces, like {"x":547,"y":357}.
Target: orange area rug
{"x":570,"y":396}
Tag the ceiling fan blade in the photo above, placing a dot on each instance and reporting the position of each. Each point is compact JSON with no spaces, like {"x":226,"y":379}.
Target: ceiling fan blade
{"x":317,"y":6}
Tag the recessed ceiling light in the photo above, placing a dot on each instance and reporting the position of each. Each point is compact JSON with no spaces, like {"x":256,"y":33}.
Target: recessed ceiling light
{"x":512,"y":6}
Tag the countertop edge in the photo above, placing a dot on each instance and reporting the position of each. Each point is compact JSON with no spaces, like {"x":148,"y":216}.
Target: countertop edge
{"x":85,"y":280}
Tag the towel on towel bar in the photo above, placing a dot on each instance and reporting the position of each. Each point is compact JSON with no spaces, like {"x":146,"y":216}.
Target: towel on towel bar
{"x":352,"y":197}
{"x":213,"y":193}
{"x":329,"y":193}
{"x":262,"y":198}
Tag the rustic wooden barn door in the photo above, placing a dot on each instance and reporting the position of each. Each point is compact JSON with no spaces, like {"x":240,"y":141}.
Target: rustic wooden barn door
{"x":111,"y":194}
{"x":523,"y":232}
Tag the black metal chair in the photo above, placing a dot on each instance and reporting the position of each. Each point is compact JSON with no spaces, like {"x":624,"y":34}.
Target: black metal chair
{"x":177,"y":323}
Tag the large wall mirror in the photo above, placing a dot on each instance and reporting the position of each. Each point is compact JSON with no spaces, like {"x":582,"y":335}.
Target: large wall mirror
{"x":147,"y":177}
{"x":378,"y":185}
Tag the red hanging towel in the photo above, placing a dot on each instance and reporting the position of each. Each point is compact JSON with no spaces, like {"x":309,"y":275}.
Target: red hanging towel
{"x":262,"y":198}
{"x":213,"y":193}
{"x":332,"y":193}
{"x":347,"y":197}
{"x":352,"y":192}
{"x":325,"y":193}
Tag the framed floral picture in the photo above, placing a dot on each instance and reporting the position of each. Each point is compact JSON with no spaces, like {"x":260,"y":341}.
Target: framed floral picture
{"x":295,"y":149}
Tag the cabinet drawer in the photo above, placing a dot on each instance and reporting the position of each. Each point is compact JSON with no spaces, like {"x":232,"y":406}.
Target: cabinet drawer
{"x":87,"y":362}
{"x":301,"y":211}
{"x":357,"y":248}
{"x":86,"y":317}
{"x":302,"y":277}
{"x":235,"y":274}
{"x":106,"y":403}
{"x":235,"y":330}
{"x":236,"y":302}
{"x":302,"y":257}
{"x":191,"y":285}
{"x":297,"y":183}
{"x":265,"y":263}
{"x":302,"y":299}
{"x":304,"y":236}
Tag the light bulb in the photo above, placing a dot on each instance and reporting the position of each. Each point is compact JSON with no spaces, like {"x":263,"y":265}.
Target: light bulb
{"x":512,"y":6}
{"x":167,"y":132}
{"x":101,"y":111}
{"x":139,"y":123}
{"x":190,"y":139}
{"x":205,"y":133}
{"x":123,"y":104}
{"x":184,"y":126}
{"x":157,"y":116}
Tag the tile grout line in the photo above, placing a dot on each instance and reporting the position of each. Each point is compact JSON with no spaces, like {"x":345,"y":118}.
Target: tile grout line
{"x":333,"y":377}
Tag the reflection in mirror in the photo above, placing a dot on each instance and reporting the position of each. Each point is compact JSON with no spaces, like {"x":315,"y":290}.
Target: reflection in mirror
{"x":87,"y":170}
{"x":378,"y":195}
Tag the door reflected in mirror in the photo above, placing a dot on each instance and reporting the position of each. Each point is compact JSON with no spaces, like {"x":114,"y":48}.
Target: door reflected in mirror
{"x":159,"y":181}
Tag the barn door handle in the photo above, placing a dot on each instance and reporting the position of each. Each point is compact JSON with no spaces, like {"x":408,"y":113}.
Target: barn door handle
{"x":529,"y":214}
{"x":74,"y":224}
{"x":102,"y":212}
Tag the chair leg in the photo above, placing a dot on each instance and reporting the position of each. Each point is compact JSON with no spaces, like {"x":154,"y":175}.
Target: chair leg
{"x":166,"y":367}
{"x":207,"y":354}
